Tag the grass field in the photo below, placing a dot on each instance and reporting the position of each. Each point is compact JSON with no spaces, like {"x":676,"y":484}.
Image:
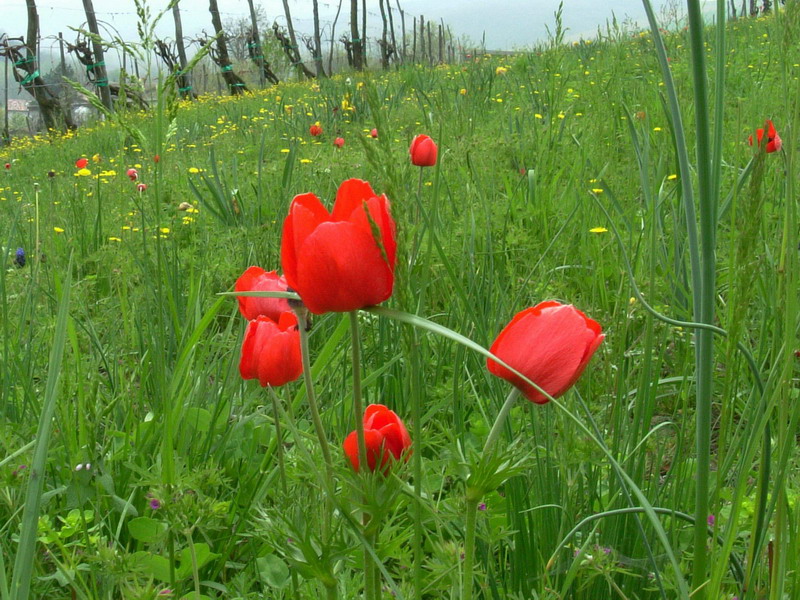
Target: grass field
{"x":135,"y":462}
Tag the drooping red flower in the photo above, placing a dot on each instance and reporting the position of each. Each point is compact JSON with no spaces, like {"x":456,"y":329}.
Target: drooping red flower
{"x":373,"y":133}
{"x":385,"y":437}
{"x":423,"y":151}
{"x":141,"y":187}
{"x":256,"y":279}
{"x":132,"y":174}
{"x":774,"y":142}
{"x":315,"y":129}
{"x":550,"y":343}
{"x":81,"y":163}
{"x":7,"y":166}
{"x":338,"y":142}
{"x":344,"y":260}
{"x":271,"y":350}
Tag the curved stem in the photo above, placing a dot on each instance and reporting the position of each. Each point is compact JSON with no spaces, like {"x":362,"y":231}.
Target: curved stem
{"x":494,"y":433}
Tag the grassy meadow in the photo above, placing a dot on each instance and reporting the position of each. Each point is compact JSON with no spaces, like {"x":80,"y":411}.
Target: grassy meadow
{"x":136,"y":463}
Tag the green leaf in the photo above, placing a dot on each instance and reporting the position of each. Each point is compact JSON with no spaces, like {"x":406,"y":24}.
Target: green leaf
{"x":273,"y":570}
{"x":145,"y":529}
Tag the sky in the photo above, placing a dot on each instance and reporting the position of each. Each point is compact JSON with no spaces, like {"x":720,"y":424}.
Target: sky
{"x":506,"y":24}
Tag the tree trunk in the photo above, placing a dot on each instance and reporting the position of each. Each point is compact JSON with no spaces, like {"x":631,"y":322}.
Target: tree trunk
{"x":293,"y":51}
{"x":317,"y":43}
{"x":99,"y":67}
{"x":184,"y":82}
{"x":235,"y":83}
{"x":384,"y":44}
{"x":333,"y":37}
{"x":26,"y":72}
{"x":358,"y":55}
{"x":256,"y":52}
{"x":364,"y":33}
{"x":403,"y":25}
{"x":391,"y":29}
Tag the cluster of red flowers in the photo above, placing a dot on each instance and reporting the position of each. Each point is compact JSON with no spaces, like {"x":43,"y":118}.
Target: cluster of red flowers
{"x":344,"y":260}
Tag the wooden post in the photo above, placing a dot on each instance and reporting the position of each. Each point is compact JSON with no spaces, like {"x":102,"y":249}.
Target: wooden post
{"x":414,"y":43}
{"x":441,"y":44}
{"x":421,"y":38}
{"x":403,"y":25}
{"x":430,"y":43}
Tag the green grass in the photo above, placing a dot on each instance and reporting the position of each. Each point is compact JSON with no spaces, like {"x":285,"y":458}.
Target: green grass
{"x":552,"y":178}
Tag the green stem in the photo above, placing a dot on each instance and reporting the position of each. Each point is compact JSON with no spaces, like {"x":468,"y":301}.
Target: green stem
{"x":499,"y":421}
{"x":358,"y":409}
{"x":315,"y":417}
{"x":416,"y":459}
{"x":469,"y":548}
{"x":369,"y":569}
{"x":705,"y":339}
{"x":358,"y":403}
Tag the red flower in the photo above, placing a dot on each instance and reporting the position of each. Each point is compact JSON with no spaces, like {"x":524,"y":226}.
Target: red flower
{"x":133,"y":174}
{"x":385,"y":437}
{"x":373,"y":133}
{"x":271,"y":351}
{"x":423,"y":151}
{"x":550,"y":343}
{"x":141,"y":187}
{"x":337,"y":261}
{"x":774,"y":142}
{"x":315,"y":129}
{"x":256,"y":279}
{"x":338,"y":142}
{"x":81,"y":163}
{"x":156,"y":158}
{"x":8,"y":166}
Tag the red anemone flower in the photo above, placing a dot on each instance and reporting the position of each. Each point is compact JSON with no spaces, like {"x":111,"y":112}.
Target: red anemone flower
{"x":344,"y":260}
{"x":423,"y":151}
{"x":271,"y":350}
{"x":774,"y":142}
{"x":133,"y":174}
{"x":315,"y":129}
{"x":373,"y":133}
{"x":256,"y":279}
{"x":385,"y":437}
{"x":338,"y":142}
{"x":81,"y":163}
{"x":141,"y":187}
{"x":551,"y":344}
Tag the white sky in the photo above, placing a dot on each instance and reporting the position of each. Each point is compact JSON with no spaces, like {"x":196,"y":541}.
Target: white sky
{"x":507,"y":24}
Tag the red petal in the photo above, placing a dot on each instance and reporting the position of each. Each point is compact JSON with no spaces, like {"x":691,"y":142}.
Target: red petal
{"x":550,"y":344}
{"x":305,"y":214}
{"x":351,"y":195}
{"x":340,"y":268}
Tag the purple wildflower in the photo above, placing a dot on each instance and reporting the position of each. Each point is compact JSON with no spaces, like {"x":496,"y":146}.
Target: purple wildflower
{"x":19,"y":258}
{"x":155,"y":503}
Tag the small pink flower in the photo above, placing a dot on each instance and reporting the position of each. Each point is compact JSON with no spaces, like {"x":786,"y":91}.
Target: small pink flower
{"x":338,"y":142}
{"x":133,"y":174}
{"x":373,"y":133}
{"x":141,"y":187}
